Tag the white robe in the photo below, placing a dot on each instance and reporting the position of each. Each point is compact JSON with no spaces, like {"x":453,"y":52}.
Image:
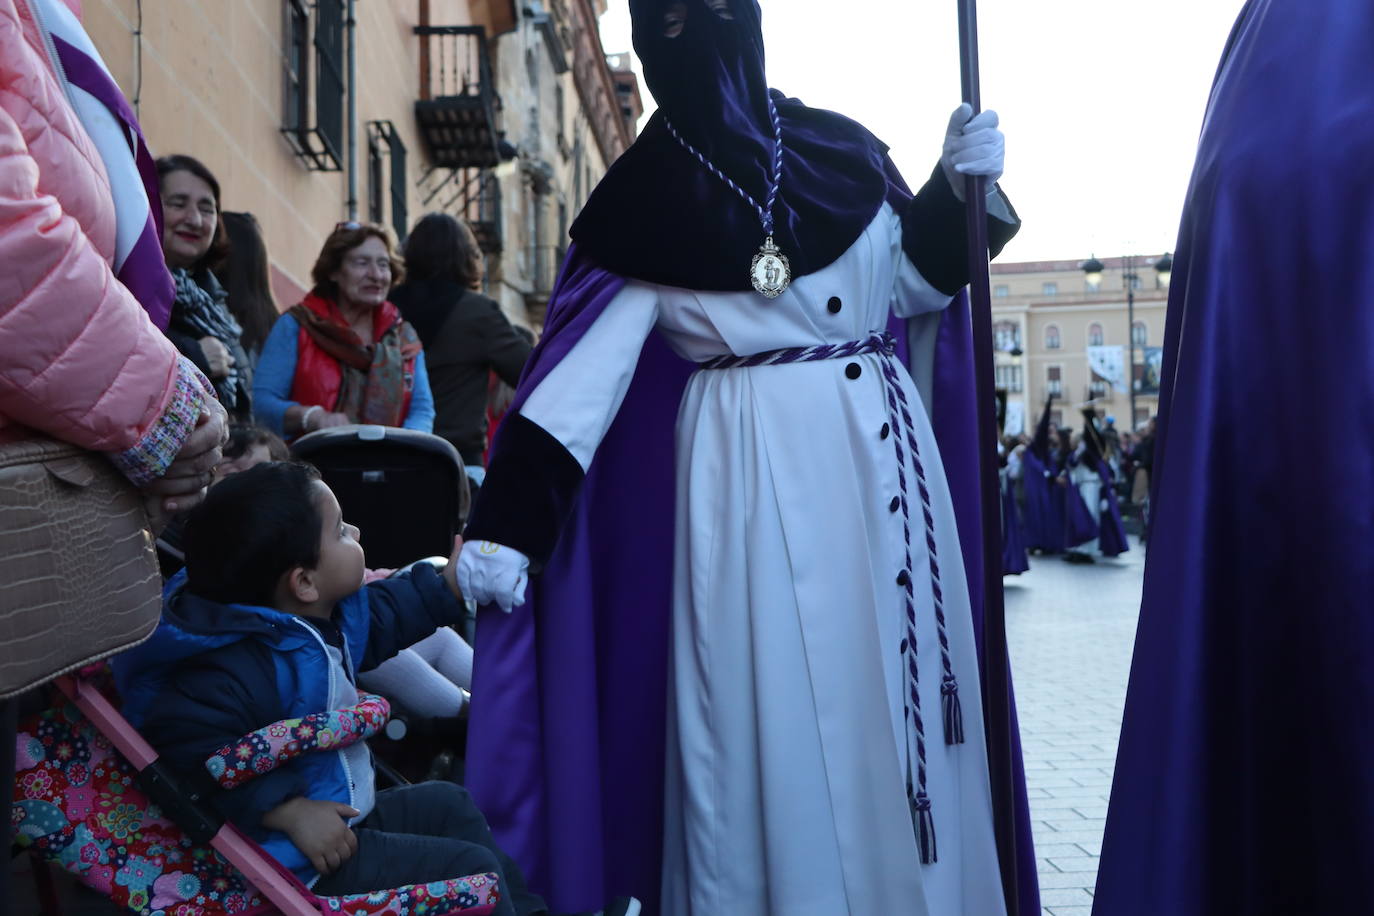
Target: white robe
{"x":1089,"y":484}
{"x":786,"y":774}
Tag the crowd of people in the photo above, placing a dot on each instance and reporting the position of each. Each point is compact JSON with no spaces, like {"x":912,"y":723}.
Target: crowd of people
{"x":709,"y":698}
{"x":389,"y":337}
{"x":151,"y":335}
{"x":1065,"y":492}
{"x":181,"y":365}
{"x":385,"y":336}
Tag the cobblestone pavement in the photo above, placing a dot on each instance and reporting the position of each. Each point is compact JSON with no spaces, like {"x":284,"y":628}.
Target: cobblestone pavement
{"x":1071,"y":630}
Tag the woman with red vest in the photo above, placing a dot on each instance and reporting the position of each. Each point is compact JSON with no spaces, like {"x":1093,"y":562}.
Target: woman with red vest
{"x":344,"y":354}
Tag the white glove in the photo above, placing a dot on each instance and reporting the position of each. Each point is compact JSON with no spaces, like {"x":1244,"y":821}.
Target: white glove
{"x":490,"y":573}
{"x":973,"y":147}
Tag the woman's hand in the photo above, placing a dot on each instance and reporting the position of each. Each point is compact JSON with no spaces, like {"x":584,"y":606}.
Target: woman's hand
{"x":310,"y":419}
{"x":184,"y":483}
{"x":490,"y":573}
{"x":317,"y":828}
{"x":217,"y":356}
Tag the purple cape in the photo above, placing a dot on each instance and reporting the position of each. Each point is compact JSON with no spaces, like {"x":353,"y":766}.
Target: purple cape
{"x":566,"y":746}
{"x":1112,"y":540}
{"x":1014,"y":560}
{"x":1245,"y":775}
{"x":1080,"y":519}
{"x":1044,"y":507}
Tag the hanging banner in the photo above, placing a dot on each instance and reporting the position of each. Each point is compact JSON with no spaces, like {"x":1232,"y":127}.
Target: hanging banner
{"x":1148,"y":383}
{"x":1015,"y":423}
{"x":1109,"y":364}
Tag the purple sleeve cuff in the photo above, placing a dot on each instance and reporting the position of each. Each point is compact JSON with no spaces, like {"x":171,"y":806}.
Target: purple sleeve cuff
{"x":153,"y":454}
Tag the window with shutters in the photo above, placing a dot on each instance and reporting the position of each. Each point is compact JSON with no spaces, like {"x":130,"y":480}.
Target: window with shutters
{"x":1009,"y":378}
{"x":314,"y":44}
{"x":1006,"y":336}
{"x":386,"y":169}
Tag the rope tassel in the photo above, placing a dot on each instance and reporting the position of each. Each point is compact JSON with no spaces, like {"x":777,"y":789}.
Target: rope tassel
{"x":924,"y":823}
{"x":953,"y":711}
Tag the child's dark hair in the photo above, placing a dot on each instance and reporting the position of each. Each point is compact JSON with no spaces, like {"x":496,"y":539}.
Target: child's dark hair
{"x":242,"y":437}
{"x":251,"y":529}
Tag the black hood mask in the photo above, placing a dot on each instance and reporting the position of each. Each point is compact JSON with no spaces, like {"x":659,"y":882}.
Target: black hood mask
{"x":659,"y":215}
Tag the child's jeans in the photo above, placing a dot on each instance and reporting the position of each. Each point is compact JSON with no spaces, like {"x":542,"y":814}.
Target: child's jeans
{"x":428,"y":832}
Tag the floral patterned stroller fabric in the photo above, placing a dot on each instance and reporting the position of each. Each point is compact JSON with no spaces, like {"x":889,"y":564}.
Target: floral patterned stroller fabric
{"x":78,"y":803}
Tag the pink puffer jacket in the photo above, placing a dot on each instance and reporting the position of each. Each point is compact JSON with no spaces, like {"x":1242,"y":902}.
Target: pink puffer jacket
{"x":79,"y":358}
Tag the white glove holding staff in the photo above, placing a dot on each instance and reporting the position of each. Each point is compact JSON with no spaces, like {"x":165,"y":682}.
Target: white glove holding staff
{"x":490,"y":573}
{"x":973,"y":146}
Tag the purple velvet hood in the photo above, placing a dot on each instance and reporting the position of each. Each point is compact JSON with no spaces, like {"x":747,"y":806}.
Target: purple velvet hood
{"x":659,"y":216}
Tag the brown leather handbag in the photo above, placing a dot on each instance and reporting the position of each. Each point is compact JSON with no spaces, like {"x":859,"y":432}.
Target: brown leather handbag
{"x":78,"y":570}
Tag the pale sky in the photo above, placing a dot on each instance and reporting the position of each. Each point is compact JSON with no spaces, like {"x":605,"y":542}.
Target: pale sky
{"x":1101,"y":100}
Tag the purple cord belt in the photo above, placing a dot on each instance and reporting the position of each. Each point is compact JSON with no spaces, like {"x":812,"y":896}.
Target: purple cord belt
{"x":903,"y":433}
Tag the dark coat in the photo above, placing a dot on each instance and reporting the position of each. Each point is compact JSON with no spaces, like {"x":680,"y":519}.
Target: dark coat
{"x":466,"y":337}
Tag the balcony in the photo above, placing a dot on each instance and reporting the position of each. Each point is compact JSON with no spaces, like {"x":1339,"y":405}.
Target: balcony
{"x":482,"y":210}
{"x":458,"y":108}
{"x":474,"y":196}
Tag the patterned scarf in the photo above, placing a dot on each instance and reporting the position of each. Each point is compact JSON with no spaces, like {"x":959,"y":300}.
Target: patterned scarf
{"x":202,"y":312}
{"x":376,"y":379}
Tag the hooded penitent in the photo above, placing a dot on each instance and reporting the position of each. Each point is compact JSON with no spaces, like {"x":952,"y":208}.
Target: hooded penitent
{"x":1245,"y":777}
{"x":567,"y":752}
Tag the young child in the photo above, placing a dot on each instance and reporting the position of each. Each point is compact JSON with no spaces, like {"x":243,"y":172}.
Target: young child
{"x":270,"y":620}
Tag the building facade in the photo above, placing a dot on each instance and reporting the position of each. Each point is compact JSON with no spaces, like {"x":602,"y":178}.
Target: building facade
{"x":567,"y":119}
{"x":1046,"y":316}
{"x":311,"y":112}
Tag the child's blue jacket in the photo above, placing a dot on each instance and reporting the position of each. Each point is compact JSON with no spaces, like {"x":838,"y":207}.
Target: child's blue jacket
{"x":212,"y":673}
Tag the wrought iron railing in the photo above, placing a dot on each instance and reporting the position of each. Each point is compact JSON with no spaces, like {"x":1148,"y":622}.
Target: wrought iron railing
{"x":458,"y":65}
{"x":459,"y":109}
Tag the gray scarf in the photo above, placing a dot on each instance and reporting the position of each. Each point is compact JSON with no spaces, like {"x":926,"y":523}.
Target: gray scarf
{"x":201,"y":310}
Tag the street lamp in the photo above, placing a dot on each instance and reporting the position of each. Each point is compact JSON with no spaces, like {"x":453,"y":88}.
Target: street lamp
{"x":1165,"y":268}
{"x":1092,"y":272}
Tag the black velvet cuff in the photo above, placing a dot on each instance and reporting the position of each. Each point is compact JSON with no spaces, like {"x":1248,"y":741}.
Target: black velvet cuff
{"x":531,"y":486}
{"x":934,"y":234}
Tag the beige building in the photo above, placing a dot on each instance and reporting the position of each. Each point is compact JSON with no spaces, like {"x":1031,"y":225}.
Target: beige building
{"x":460,"y":105}
{"x":569,"y":111}
{"x":1046,"y":314}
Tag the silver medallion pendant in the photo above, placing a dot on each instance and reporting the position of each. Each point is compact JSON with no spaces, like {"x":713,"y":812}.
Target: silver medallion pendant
{"x":770,"y":272}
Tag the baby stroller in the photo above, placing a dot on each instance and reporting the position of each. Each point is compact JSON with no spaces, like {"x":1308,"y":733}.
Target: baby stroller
{"x":91,"y":797}
{"x":406,"y":490}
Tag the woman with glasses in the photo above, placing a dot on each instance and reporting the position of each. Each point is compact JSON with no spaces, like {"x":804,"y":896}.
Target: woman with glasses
{"x":344,"y":354}
{"x":193,"y":237}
